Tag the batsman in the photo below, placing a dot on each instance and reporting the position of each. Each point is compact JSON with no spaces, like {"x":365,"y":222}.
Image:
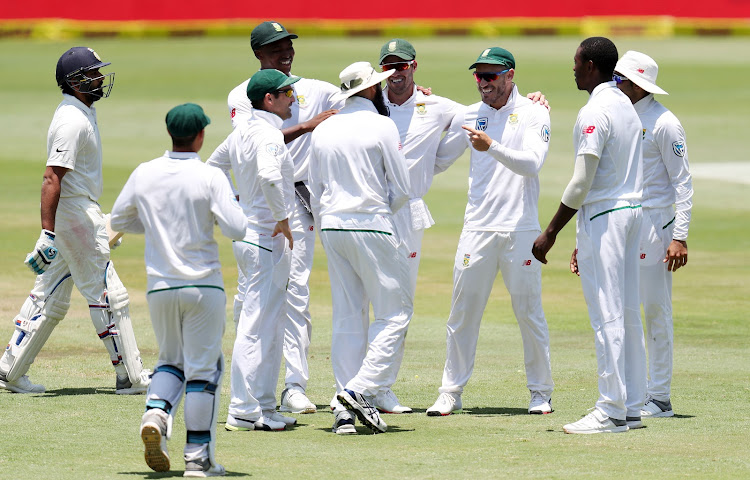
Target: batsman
{"x":73,"y":248}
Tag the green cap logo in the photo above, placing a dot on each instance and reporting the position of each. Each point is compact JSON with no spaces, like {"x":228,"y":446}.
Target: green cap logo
{"x":277,"y":27}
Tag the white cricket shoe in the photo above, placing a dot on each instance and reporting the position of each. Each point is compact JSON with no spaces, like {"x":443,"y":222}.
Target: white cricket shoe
{"x":235,"y":424}
{"x":446,"y":404}
{"x":634,"y":422}
{"x":387,"y":402}
{"x":124,"y":386}
{"x":203,"y":468}
{"x":539,"y":404}
{"x":344,"y":423}
{"x":596,"y":422}
{"x":294,"y":400}
{"x":154,"y":435}
{"x":277,"y":417}
{"x":366,"y":413}
{"x":21,"y":385}
{"x":657,"y":408}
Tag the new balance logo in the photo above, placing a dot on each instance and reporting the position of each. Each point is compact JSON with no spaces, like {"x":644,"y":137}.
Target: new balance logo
{"x":413,"y":255}
{"x":527,"y":263}
{"x":588,"y":130}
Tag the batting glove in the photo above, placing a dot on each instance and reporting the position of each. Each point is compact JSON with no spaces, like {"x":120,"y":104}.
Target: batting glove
{"x":44,"y":252}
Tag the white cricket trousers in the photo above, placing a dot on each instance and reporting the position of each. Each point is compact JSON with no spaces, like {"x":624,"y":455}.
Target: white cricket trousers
{"x":366,"y":266}
{"x":479,"y":258}
{"x":256,"y":359}
{"x":298,"y":326}
{"x":608,"y":238}
{"x":188,"y":324}
{"x":656,"y":298}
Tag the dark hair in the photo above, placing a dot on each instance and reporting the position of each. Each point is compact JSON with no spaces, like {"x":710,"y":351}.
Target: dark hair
{"x":258,"y":103}
{"x":183,"y":142}
{"x":66,"y":88}
{"x":602,"y":52}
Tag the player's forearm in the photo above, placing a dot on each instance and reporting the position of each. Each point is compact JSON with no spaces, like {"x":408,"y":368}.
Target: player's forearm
{"x":521,"y":162}
{"x":51,"y":186}
{"x":559,"y":220}
{"x":294,"y":132}
{"x":583,"y":177}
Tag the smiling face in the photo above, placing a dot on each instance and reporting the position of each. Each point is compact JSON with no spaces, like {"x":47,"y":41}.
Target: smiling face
{"x":401,"y":81}
{"x":495,"y":93}
{"x":278,"y":55}
{"x":281,"y":102}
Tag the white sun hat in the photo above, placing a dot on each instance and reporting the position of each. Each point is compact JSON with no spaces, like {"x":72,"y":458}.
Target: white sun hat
{"x":358,"y":76}
{"x":640,"y":69}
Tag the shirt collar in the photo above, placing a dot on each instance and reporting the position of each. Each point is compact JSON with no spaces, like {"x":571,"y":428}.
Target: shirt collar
{"x":603,"y":86}
{"x":269,"y":117}
{"x":71,"y":100}
{"x":409,"y":101}
{"x":644,"y":103}
{"x":181,"y":155}
{"x":361,"y":103}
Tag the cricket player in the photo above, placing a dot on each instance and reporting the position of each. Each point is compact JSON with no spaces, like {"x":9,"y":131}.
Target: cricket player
{"x":667,"y":201}
{"x":421,"y":120}
{"x":606,"y":192}
{"x":73,"y":247}
{"x":272,"y":46}
{"x":357,"y":183}
{"x":264,"y":172}
{"x":509,"y":139}
{"x":175,"y":200}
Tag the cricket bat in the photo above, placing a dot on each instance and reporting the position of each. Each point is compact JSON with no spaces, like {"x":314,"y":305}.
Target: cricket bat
{"x":113,"y":236}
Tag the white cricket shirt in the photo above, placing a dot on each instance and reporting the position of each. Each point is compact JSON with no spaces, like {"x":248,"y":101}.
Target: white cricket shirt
{"x":608,"y":128}
{"x":503,"y":181}
{"x":312,"y":97}
{"x":174,"y":200}
{"x":73,"y":142}
{"x":421,"y":121}
{"x":262,"y":167}
{"x":666,"y":172}
{"x":358,"y":175}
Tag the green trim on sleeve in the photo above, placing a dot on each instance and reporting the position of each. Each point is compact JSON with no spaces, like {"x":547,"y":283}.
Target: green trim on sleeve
{"x":669,"y":223}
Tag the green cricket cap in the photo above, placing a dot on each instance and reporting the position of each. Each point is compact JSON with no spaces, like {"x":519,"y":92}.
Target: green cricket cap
{"x":268,"y":81}
{"x":268,"y":32}
{"x":495,"y":56}
{"x":186,"y":120}
{"x":398,"y":47}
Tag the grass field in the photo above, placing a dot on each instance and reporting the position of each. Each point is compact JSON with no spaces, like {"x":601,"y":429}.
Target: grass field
{"x":80,"y":429}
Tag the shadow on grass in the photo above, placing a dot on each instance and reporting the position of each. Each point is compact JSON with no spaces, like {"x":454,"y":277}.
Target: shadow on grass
{"x":63,"y":392}
{"x":503,"y":411}
{"x":176,"y":473}
{"x":362,"y":430}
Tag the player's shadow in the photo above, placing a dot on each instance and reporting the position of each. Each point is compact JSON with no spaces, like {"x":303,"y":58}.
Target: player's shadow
{"x":362,"y":430}
{"x":64,"y":392}
{"x":486,"y":411}
{"x":176,"y":473}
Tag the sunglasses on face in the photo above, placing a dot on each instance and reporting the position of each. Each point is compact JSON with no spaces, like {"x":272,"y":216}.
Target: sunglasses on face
{"x":398,"y":66}
{"x":489,"y":76}
{"x":289,"y":93}
{"x":619,"y":78}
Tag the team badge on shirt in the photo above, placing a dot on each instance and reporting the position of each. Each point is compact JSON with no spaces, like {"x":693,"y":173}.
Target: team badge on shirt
{"x":482,"y":124}
{"x":513,"y":119}
{"x":301,"y":101}
{"x":545,"y":133}
{"x":643,"y":137}
{"x":467,"y":257}
{"x":273,"y":148}
{"x":421,"y":109}
{"x":678,"y":148}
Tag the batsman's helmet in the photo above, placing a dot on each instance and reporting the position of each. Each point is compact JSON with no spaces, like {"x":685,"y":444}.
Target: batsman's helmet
{"x":72,"y":66}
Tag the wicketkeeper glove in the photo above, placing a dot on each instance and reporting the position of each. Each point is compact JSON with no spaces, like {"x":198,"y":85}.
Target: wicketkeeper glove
{"x":44,"y":252}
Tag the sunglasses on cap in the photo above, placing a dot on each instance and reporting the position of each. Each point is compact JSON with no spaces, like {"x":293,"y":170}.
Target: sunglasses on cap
{"x":289,"y":92}
{"x":398,"y":66}
{"x":619,"y":78}
{"x":489,"y":76}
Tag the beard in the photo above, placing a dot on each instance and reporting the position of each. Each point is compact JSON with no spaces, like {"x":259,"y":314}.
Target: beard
{"x":379,"y":102}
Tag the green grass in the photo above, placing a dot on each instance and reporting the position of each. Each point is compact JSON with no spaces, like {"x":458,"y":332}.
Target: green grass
{"x":79,"y":429}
